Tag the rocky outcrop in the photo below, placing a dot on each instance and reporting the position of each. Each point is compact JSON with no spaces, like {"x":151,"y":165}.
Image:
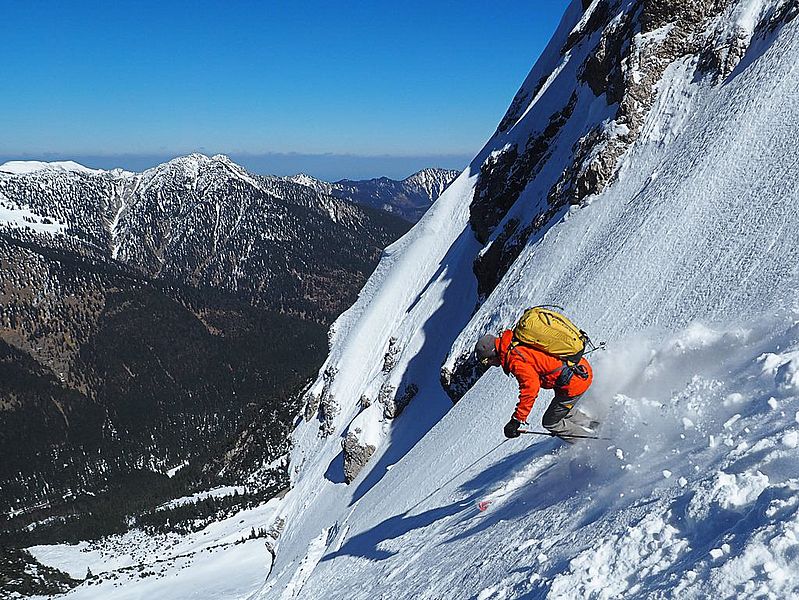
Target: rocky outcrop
{"x":356,"y":455}
{"x":621,"y":51}
{"x":364,"y":402}
{"x":328,"y":408}
{"x":390,"y":357}
{"x":393,"y":403}
{"x":459,"y":379}
{"x":311,"y":408}
{"x":505,"y":174}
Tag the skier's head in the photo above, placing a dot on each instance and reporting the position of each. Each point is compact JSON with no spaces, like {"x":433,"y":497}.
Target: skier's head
{"x":486,"y":350}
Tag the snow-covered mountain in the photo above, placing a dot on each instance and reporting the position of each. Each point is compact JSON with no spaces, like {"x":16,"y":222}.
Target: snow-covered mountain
{"x":409,"y":198}
{"x":644,"y":178}
{"x":161,"y":319}
{"x":204,"y":221}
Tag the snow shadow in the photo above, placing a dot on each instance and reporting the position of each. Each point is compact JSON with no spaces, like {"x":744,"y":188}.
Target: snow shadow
{"x":455,"y":308}
{"x":550,"y":479}
{"x":504,"y":468}
{"x":335,"y":470}
{"x":365,"y":544}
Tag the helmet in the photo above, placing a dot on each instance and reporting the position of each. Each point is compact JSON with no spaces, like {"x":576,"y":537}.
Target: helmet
{"x":485,"y":348}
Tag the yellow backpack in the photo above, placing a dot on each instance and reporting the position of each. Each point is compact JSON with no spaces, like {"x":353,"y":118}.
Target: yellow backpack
{"x":551,"y":332}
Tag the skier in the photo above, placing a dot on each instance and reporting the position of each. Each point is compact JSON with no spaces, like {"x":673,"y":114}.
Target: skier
{"x":535,"y":369}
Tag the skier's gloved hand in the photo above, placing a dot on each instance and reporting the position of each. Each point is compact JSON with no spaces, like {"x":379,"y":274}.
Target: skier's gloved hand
{"x":512,"y":428}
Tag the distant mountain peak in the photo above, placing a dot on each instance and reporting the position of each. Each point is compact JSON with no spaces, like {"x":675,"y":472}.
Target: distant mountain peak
{"x":305,"y":179}
{"x":24,"y":167}
{"x":433,"y":172}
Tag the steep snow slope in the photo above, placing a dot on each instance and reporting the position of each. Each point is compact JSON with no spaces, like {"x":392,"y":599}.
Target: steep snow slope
{"x":695,"y":493}
{"x":699,"y":225}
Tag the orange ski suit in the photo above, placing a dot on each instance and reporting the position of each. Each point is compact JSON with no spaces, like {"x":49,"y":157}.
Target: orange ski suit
{"x":534,"y":370}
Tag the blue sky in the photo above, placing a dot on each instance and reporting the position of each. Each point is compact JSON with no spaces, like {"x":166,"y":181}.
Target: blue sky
{"x":349,"y":89}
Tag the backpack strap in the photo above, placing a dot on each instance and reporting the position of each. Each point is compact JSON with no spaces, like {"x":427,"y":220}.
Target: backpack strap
{"x":567,"y":371}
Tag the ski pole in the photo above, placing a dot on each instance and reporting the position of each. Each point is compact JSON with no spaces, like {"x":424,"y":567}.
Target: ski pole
{"x":565,"y":435}
{"x":601,"y":346}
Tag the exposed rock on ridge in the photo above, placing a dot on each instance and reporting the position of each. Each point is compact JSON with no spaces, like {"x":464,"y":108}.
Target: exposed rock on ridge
{"x":613,"y":60}
{"x":205,"y":222}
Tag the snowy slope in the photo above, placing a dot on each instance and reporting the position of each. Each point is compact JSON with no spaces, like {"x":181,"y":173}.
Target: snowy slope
{"x":19,"y":167}
{"x":215,"y":562}
{"x":696,"y":492}
{"x":698,"y":226}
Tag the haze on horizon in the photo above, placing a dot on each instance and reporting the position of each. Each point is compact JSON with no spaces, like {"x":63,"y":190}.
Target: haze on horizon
{"x":355,"y":91}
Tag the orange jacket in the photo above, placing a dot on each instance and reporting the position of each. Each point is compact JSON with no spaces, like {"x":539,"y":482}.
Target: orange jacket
{"x":534,"y":370}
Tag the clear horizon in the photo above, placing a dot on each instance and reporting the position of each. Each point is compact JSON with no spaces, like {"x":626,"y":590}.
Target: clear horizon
{"x":327,"y":167}
{"x":352,"y":90}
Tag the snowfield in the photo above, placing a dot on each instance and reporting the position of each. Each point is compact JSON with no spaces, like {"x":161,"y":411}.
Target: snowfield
{"x":216,"y":562}
{"x":696,"y":492}
{"x":688,"y":266}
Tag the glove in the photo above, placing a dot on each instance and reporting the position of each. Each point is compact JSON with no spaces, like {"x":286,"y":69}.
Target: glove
{"x":512,"y":428}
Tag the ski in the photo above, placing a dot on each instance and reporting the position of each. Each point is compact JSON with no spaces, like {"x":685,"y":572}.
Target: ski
{"x":586,"y":437}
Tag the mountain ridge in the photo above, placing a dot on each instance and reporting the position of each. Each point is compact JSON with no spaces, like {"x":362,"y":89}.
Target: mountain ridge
{"x":100,"y":265}
{"x":408,"y":198}
{"x":156,"y":223}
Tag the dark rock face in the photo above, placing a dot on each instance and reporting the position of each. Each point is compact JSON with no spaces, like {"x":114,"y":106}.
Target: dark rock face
{"x":620,"y":50}
{"x":462,"y":377}
{"x":504,"y":176}
{"x":356,"y":455}
{"x":602,"y":71}
{"x":494,"y":193}
{"x":502,"y":180}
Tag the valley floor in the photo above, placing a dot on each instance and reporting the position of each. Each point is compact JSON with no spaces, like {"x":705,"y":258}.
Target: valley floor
{"x":218,"y":561}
